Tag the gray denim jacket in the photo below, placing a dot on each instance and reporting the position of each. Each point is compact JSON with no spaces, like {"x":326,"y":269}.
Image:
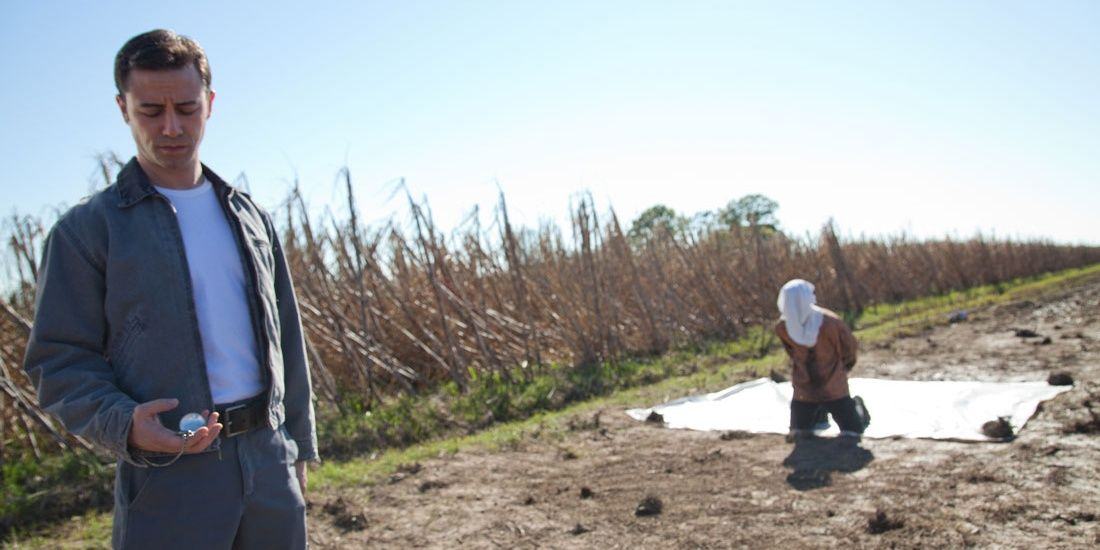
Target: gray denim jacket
{"x":115,"y":321}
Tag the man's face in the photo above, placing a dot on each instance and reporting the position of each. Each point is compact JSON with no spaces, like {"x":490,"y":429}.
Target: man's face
{"x":167,"y":111}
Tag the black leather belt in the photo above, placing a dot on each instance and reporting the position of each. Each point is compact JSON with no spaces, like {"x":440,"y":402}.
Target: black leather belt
{"x":242,"y":416}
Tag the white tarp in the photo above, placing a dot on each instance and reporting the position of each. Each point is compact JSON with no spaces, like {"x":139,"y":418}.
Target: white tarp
{"x":906,"y":408}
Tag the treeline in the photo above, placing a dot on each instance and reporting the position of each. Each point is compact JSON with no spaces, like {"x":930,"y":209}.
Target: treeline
{"x":403,"y":308}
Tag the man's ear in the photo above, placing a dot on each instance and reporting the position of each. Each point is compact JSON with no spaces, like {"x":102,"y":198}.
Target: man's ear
{"x":210,"y":103}
{"x":121,"y":101}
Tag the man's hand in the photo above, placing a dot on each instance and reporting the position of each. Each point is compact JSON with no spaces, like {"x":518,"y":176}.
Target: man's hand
{"x":148,"y":434}
{"x":303,"y":474}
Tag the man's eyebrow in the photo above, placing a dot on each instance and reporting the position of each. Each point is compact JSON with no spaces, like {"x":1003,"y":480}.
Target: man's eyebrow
{"x":161,"y":104}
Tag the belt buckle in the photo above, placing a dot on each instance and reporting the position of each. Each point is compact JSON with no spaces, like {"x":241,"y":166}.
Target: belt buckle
{"x":229,"y":420}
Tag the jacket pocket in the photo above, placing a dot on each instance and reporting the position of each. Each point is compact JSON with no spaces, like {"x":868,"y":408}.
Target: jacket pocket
{"x":137,"y":484}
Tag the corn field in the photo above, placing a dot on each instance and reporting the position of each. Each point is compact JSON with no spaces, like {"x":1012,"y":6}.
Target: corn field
{"x":403,"y":307}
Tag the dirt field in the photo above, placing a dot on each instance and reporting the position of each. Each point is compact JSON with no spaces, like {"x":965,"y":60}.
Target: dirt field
{"x":1040,"y":490}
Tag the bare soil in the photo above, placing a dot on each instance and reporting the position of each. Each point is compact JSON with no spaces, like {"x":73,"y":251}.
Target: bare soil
{"x":612,"y":482}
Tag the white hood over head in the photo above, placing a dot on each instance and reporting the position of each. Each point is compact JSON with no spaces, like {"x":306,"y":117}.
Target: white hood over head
{"x":798,"y":306}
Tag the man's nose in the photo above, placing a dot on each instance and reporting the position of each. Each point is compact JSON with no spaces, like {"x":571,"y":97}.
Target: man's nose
{"x":171,"y":127}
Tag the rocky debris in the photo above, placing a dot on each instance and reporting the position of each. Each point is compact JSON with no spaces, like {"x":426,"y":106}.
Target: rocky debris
{"x":1060,"y":379}
{"x":567,"y":454}
{"x":880,"y":523}
{"x":586,"y":493}
{"x":529,"y":500}
{"x":998,"y":429}
{"x":344,"y":517}
{"x":578,"y":529}
{"x":1026,"y":333}
{"x":655,"y":418}
{"x":777,"y":377}
{"x":958,"y":317}
{"x":649,"y":506}
{"x":1046,"y":341}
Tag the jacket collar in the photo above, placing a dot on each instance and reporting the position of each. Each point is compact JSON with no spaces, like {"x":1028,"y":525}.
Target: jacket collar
{"x":134,"y":185}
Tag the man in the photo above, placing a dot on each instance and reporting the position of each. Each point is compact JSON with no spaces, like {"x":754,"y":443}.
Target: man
{"x":822,"y":351}
{"x":165,"y":294}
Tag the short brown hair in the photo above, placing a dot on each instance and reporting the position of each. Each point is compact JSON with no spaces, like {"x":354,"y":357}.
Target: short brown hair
{"x":156,"y":50}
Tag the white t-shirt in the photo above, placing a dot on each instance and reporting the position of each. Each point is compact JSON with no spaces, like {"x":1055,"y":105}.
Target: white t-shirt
{"x":218,"y":283}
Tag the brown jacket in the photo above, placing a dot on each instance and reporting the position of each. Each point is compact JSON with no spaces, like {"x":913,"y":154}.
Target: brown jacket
{"x":834,"y":354}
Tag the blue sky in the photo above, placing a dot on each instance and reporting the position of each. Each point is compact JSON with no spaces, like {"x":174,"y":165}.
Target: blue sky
{"x":931,"y":117}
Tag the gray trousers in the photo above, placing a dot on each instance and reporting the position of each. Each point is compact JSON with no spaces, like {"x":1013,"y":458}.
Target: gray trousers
{"x":245,"y":496}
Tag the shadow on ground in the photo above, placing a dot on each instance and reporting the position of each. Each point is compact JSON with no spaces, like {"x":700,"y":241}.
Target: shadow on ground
{"x":813,"y":461}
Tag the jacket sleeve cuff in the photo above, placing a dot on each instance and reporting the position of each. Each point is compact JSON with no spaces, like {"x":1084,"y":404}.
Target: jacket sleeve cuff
{"x":307,"y":450}
{"x":118,"y":434}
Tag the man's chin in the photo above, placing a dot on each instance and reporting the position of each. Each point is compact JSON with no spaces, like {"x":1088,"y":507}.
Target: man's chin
{"x":174,"y":162}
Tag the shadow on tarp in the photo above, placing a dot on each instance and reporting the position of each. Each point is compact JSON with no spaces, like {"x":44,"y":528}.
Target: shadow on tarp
{"x":814,"y":460}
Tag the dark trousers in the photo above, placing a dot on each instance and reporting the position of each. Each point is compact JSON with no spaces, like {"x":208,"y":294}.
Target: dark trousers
{"x":245,"y":496}
{"x":804,"y":414}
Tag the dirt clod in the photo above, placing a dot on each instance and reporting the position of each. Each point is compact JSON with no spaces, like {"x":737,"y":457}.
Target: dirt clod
{"x":1026,"y":333}
{"x":1060,"y":379}
{"x":655,"y":418}
{"x":1049,"y":450}
{"x":344,"y":516}
{"x":714,"y":454}
{"x":1074,"y":519}
{"x":411,"y":469}
{"x":593,"y":423}
{"x":430,"y":485}
{"x":734,"y":434}
{"x":586,"y":493}
{"x":649,"y":506}
{"x":998,"y":429}
{"x":808,"y":479}
{"x":981,"y":477}
{"x":1046,"y":341}
{"x":1090,"y":426}
{"x":1058,"y":476}
{"x":529,"y":500}
{"x":880,"y":523}
{"x":579,"y":529}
